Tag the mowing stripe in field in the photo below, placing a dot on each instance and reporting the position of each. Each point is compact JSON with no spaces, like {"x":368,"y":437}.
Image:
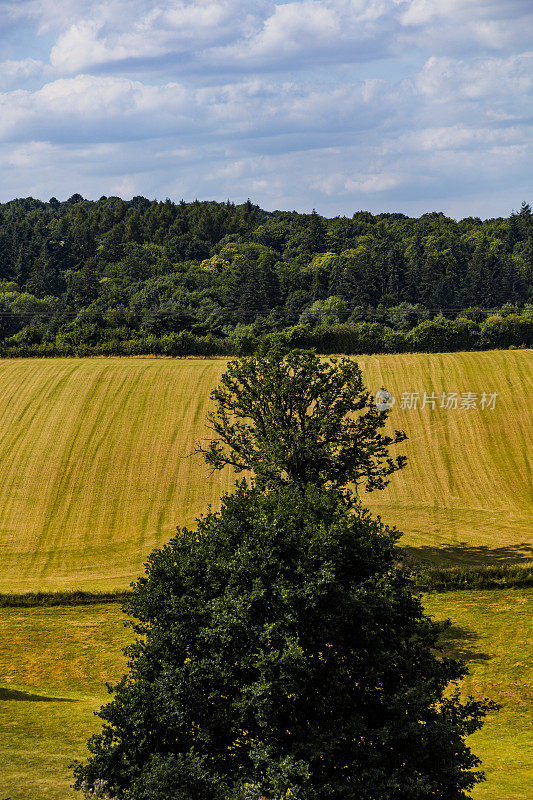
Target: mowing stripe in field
{"x":469,"y":480}
{"x":96,"y":466}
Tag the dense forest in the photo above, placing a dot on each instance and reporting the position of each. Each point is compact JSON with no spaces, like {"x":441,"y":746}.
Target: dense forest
{"x":140,"y":276}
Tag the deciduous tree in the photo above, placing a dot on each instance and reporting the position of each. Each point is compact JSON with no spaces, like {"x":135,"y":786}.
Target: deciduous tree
{"x":292,"y":417}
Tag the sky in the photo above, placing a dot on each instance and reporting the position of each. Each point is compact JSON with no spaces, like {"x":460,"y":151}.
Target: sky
{"x":338,"y":105}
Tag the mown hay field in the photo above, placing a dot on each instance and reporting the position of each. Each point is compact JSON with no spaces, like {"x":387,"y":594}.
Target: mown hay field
{"x":96,"y":466}
{"x":54,"y":662}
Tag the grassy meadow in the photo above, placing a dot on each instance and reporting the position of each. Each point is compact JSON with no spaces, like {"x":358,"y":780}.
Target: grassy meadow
{"x":54,"y":662}
{"x":53,"y":666}
{"x":96,"y":465}
{"x":96,"y":470}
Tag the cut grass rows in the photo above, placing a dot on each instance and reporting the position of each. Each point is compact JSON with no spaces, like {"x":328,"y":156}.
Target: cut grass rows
{"x":96,"y":469}
{"x":54,"y":662}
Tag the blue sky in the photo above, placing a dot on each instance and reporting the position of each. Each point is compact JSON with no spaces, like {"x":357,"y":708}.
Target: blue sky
{"x":338,"y":105}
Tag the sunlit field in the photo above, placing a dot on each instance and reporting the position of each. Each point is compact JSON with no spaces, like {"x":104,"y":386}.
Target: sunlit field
{"x":54,"y":662}
{"x":96,"y":464}
{"x":493,"y":632}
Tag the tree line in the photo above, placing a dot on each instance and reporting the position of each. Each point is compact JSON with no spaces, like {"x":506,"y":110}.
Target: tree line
{"x":123,"y":277}
{"x":437,"y":335}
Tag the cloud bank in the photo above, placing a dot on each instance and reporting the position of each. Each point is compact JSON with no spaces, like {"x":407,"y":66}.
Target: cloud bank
{"x":406,"y":105}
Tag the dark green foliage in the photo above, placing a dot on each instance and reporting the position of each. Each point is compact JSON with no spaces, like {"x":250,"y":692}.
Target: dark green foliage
{"x":210,"y":269}
{"x":294,"y":418}
{"x":282,"y":654}
{"x":504,"y":576}
{"x":79,"y":598}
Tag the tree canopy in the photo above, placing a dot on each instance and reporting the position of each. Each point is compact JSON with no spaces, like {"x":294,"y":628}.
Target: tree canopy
{"x":291,"y":417}
{"x":116,"y":276}
{"x":281,"y":654}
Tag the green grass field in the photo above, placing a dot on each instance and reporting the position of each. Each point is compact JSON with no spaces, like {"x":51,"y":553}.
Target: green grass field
{"x":96,"y":470}
{"x":53,"y":667}
{"x":54,"y":661}
{"x":96,"y":466}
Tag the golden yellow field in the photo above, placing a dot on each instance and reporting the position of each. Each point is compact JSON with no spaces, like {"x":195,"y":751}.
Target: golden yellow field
{"x":96,"y":466}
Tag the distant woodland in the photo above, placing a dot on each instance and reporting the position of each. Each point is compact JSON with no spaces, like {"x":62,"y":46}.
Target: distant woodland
{"x":117,"y":277}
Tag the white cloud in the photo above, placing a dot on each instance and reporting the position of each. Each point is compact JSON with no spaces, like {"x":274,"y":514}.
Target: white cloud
{"x":481,"y":92}
{"x":358,"y":183}
{"x":122,"y":31}
{"x":13,"y":72}
{"x":292,"y":27}
{"x":230,"y":98}
{"x":79,"y":47}
{"x":470,"y":25}
{"x":420,"y":12}
{"x":108,"y":108}
{"x":461,"y":137}
{"x":31,"y":155}
{"x":266,"y":34}
{"x":86,"y":108}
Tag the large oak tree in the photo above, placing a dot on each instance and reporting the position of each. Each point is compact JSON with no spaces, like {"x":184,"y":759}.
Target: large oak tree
{"x":280,"y":650}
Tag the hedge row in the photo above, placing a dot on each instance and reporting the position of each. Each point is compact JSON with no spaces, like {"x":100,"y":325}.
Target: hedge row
{"x":504,"y":576}
{"x":430,"y":336}
{"x":76,"y":598}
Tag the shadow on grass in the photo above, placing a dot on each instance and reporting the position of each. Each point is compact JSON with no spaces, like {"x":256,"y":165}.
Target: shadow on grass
{"x":465,"y":555}
{"x":14,"y":694}
{"x":460,"y":643}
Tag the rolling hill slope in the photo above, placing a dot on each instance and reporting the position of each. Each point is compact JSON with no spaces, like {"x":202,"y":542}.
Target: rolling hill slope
{"x":95,"y":464}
